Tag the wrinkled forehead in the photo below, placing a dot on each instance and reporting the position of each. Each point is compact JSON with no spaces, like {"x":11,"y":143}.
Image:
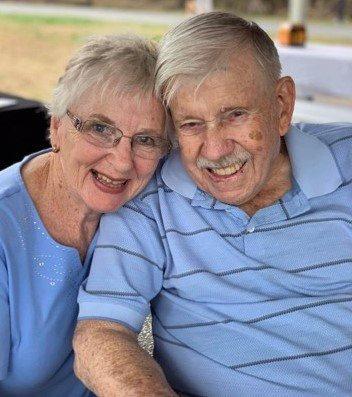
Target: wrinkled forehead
{"x":240,"y":86}
{"x":112,"y":94}
{"x":112,"y":91}
{"x":240,"y":71}
{"x":241,"y":75}
{"x":130,"y":109}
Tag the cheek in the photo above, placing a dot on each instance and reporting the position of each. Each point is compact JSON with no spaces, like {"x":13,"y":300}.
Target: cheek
{"x":145,"y":169}
{"x":256,"y":135}
{"x":190,"y":149}
{"x":259,"y":149}
{"x":87,"y":154}
{"x":261,"y":138}
{"x":257,"y":128}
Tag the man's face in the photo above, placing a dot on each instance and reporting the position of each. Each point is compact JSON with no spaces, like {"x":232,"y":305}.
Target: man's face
{"x":229,"y":131}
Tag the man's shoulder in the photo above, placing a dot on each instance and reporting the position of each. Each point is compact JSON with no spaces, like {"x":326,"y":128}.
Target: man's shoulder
{"x":143,"y":203}
{"x":168,"y":183}
{"x":153,"y":202}
{"x":337,"y":137}
{"x":328,"y":133}
{"x":151,"y":191}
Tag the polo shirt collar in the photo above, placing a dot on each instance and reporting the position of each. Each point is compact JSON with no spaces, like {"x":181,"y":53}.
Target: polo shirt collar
{"x":313,"y":166}
{"x":176,"y":177}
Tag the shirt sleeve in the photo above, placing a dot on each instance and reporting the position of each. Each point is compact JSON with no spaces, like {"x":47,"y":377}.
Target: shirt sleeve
{"x":127,"y":268}
{"x":4,"y":322}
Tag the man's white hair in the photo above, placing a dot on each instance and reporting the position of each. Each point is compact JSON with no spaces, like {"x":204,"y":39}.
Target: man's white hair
{"x":205,"y":44}
{"x":121,"y":63}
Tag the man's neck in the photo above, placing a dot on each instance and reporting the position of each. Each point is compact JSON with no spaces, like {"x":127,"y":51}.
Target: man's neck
{"x":279,"y":183}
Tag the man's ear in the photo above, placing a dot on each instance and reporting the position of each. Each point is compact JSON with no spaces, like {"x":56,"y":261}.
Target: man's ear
{"x":286,"y":96}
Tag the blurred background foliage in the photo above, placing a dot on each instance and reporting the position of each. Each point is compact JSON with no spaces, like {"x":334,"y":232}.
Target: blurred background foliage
{"x":318,"y":8}
{"x":35,"y":48}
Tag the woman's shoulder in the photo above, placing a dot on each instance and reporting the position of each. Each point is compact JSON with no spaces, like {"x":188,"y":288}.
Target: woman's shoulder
{"x":10,"y":182}
{"x":14,"y":199}
{"x":10,"y":203}
{"x":12,"y":186}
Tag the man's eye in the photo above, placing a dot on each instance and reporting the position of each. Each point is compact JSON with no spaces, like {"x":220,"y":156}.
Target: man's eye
{"x":145,"y":140}
{"x":189,"y":126}
{"x":234,"y":115}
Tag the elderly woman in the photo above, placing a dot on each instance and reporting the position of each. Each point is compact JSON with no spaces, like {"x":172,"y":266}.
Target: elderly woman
{"x":107,"y":136}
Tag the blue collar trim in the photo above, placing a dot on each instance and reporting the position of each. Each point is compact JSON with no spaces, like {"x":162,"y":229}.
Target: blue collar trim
{"x":313,"y":165}
{"x":176,"y":177}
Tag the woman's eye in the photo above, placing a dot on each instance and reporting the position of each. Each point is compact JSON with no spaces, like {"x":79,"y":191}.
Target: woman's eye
{"x":99,"y":128}
{"x":145,"y":140}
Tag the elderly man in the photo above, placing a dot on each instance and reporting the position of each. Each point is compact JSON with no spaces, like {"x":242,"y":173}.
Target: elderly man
{"x":242,"y":243}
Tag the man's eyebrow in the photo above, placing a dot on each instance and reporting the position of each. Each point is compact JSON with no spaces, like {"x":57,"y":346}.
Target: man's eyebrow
{"x":187,"y":117}
{"x":226,"y":109}
{"x":223,"y":109}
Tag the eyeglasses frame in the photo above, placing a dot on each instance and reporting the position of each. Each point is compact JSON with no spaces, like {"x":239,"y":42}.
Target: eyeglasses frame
{"x":78,"y":123}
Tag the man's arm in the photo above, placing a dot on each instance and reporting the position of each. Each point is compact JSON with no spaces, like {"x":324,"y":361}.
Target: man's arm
{"x":109,"y":362}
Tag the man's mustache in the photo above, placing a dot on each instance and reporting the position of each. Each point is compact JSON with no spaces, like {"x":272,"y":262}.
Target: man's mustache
{"x":238,"y":157}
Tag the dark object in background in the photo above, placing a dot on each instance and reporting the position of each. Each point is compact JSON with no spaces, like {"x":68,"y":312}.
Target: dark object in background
{"x":23,"y":129}
{"x":340,"y":10}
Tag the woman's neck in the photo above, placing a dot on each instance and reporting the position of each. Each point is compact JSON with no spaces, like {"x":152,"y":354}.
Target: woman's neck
{"x":66,"y":217}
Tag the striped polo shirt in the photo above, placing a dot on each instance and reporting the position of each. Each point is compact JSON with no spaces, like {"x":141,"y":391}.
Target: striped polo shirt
{"x":242,"y":306}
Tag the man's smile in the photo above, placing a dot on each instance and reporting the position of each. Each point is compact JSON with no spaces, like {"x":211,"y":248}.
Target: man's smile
{"x":229,"y":170}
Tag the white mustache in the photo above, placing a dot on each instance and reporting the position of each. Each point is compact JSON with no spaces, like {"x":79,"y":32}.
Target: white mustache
{"x":238,"y":157}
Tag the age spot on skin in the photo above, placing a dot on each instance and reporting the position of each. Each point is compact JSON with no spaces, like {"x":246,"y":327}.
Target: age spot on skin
{"x":256,"y":135}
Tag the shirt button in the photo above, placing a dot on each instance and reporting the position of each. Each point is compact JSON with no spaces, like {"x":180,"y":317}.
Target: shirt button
{"x":250,"y":229}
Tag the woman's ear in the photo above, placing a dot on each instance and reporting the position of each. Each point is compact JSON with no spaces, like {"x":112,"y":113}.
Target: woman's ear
{"x":286,"y":96}
{"x":54,"y":132}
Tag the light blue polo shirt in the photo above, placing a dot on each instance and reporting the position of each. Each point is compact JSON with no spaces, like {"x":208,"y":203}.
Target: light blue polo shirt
{"x":242,"y":306}
{"x":39,"y":282}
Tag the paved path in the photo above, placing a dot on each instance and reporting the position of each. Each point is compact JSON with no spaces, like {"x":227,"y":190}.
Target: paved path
{"x":339,"y":31}
{"x":94,"y":13}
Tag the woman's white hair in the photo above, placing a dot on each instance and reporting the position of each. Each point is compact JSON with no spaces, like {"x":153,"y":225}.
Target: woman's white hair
{"x":204,"y":44}
{"x":120,"y":63}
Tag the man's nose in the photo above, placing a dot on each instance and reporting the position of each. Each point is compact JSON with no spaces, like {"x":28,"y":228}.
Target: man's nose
{"x":216,"y":142}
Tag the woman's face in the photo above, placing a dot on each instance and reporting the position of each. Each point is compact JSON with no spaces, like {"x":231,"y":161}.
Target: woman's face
{"x":103,"y":179}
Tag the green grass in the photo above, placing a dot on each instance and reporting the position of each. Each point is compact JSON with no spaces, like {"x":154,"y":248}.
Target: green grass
{"x":35,"y":49}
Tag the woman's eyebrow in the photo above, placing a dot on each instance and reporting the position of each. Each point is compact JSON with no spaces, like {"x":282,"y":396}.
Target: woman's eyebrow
{"x":147,"y":131}
{"x":102,"y":118}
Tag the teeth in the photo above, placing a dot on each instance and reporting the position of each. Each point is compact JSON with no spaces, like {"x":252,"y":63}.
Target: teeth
{"x":231,"y":169}
{"x":107,"y":181}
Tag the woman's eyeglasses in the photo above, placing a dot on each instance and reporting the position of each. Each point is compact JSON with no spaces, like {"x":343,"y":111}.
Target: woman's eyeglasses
{"x":104,"y":135}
